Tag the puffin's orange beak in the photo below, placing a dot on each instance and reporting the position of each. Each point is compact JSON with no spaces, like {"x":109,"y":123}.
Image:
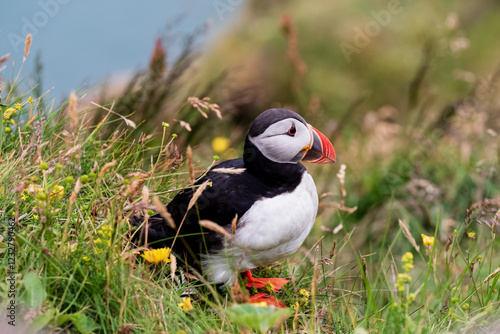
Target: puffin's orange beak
{"x":320,"y":150}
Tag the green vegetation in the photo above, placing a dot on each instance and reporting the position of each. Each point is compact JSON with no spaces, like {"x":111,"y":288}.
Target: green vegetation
{"x":405,"y":240}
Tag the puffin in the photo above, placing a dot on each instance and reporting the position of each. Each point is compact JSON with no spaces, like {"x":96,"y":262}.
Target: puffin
{"x":266,"y":200}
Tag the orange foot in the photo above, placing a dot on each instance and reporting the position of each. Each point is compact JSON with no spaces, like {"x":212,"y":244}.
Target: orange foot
{"x":259,"y":283}
{"x":266,"y":298}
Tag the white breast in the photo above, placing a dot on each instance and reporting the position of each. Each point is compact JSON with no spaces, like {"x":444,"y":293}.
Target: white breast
{"x":270,"y":230}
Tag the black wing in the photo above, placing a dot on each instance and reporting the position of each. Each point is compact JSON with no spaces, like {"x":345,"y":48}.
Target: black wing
{"x":229,"y":194}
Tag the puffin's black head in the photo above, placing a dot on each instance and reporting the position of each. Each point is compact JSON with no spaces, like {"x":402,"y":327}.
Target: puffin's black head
{"x":283,"y":136}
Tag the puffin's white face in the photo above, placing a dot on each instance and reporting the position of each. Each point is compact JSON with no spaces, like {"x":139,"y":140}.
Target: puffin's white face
{"x":286,"y":141}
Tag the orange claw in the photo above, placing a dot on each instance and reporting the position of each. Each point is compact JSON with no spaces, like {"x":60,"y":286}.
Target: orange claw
{"x":260,"y":283}
{"x":266,"y":298}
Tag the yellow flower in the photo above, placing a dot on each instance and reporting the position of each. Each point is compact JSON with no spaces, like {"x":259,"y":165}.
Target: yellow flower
{"x":18,"y":106}
{"x":35,"y":216}
{"x":304,"y":293}
{"x":8,"y":113}
{"x":30,"y":99}
{"x":86,"y":258}
{"x":57,"y":192}
{"x":269,"y":287}
{"x":407,"y":267}
{"x":186,"y":304}
{"x":260,"y":304}
{"x":408,"y":261}
{"x":407,"y":258}
{"x":404,"y":278}
{"x":220,"y":144}
{"x":157,"y":255}
{"x":98,"y":241}
{"x":428,"y":241}
{"x":471,"y":235}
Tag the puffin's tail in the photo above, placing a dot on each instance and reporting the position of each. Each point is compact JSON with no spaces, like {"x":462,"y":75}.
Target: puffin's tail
{"x":156,"y":234}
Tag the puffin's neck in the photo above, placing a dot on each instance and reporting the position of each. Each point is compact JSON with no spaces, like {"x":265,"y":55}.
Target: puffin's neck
{"x":271,"y":172}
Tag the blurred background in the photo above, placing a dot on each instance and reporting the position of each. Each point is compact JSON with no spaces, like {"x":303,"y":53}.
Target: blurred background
{"x":83,"y":44}
{"x":408,"y":91}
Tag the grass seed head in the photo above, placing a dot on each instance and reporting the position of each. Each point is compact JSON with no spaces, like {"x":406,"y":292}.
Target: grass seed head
{"x":407,"y":234}
{"x":104,"y":169}
{"x":214,"y":227}
{"x":73,"y":114}
{"x":3,"y":59}
{"x":27,"y":46}
{"x":197,"y":194}
{"x":145,"y":194}
{"x":189,"y":157}
{"x":163,"y":212}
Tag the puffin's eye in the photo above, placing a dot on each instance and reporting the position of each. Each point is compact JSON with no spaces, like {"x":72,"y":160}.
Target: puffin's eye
{"x":292,"y":130}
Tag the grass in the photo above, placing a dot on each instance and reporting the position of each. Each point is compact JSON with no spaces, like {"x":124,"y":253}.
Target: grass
{"x":68,"y":188}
